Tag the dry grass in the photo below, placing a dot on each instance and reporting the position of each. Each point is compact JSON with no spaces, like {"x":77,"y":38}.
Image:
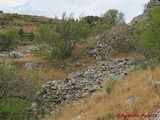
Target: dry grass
{"x":24,"y":21}
{"x":129,"y":54}
{"x":136,"y":84}
{"x":45,"y":69}
{"x":52,"y":70}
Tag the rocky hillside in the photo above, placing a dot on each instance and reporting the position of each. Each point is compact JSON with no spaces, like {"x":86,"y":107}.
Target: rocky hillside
{"x":79,"y":85}
{"x":137,"y":93}
{"x":103,"y":76}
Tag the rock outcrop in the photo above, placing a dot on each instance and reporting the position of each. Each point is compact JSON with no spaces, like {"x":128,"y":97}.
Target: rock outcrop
{"x":79,"y":85}
{"x":153,"y":3}
{"x":113,"y":41}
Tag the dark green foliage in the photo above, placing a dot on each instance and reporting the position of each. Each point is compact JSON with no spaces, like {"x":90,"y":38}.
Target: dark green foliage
{"x":29,"y":36}
{"x":26,"y":36}
{"x":5,"y":42}
{"x":150,"y":40}
{"x":21,"y":32}
{"x":8,"y":39}
{"x":92,"y":20}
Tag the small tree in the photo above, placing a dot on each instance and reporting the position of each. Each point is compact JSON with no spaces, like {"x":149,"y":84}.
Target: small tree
{"x":66,"y":34}
{"x":114,"y":17}
{"x":70,"y":32}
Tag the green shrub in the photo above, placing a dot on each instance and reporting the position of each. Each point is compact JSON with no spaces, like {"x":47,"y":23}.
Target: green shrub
{"x":110,"y":85}
{"x":14,"y":85}
{"x":16,"y":93}
{"x":14,"y":109}
{"x":31,"y":36}
{"x":8,"y":39}
{"x":13,"y":33}
{"x":150,"y":42}
{"x":5,"y":42}
{"x":21,"y":32}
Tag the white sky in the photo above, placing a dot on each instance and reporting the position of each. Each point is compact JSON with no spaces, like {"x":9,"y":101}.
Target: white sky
{"x":52,"y":8}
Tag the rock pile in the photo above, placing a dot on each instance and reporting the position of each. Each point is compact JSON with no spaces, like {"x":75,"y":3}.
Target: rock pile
{"x":79,"y":85}
{"x":153,"y":3}
{"x":115,"y":40}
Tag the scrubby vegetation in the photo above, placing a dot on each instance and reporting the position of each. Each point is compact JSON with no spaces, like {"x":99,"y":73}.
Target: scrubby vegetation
{"x":5,"y":42}
{"x":16,"y":93}
{"x":58,"y":40}
{"x":150,"y":33}
{"x":110,"y":86}
{"x":64,"y":36}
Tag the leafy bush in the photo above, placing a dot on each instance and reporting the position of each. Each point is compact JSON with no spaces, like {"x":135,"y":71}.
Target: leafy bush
{"x":66,"y":34}
{"x":8,"y":39}
{"x":92,"y":20}
{"x":14,"y":109}
{"x":16,"y":93}
{"x":13,"y":85}
{"x":13,"y":33}
{"x":31,"y":36}
{"x":150,"y":42}
{"x":21,"y":32}
{"x":5,"y":42}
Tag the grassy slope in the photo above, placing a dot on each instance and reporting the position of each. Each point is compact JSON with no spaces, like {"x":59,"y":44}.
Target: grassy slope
{"x":136,"y":84}
{"x":27,"y":22}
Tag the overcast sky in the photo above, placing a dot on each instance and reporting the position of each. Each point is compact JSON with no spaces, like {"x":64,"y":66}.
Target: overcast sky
{"x":52,"y":8}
